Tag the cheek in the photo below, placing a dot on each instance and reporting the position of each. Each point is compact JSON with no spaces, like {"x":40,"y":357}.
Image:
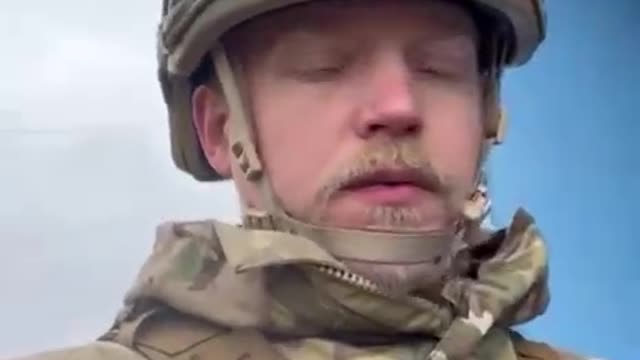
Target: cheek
{"x":454,"y":137}
{"x":297,"y":141}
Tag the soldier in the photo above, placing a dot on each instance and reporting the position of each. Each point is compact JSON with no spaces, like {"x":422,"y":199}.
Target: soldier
{"x":355,"y":133}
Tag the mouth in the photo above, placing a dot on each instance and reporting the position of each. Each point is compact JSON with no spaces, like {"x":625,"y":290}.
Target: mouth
{"x":391,"y":186}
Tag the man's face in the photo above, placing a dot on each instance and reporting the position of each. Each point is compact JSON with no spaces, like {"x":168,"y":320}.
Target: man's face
{"x":368,"y":114}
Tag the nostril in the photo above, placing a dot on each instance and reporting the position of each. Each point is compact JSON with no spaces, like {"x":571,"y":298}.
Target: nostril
{"x":388,"y":125}
{"x":408,"y":129}
{"x":413,"y":128}
{"x":374,"y":128}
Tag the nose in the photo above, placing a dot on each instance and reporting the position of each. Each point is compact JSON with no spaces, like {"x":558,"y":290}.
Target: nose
{"x":389,"y":106}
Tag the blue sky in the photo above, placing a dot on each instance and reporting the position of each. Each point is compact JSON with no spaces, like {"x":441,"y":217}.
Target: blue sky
{"x":572,"y":159}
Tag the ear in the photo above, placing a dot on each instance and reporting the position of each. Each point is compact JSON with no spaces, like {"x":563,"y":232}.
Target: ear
{"x":210,"y":118}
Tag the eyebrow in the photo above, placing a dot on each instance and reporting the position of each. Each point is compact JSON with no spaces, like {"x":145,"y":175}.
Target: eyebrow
{"x":456,"y":45}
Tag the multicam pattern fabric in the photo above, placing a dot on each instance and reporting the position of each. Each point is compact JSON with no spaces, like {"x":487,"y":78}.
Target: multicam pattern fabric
{"x":277,"y":285}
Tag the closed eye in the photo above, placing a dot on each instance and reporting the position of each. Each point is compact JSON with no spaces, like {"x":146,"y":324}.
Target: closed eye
{"x":321,"y":73}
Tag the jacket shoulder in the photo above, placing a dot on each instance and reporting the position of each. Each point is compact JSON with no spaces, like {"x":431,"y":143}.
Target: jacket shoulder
{"x":94,"y":351}
{"x":533,"y":350}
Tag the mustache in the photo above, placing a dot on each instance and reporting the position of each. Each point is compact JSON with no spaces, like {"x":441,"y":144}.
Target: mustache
{"x":380,"y":157}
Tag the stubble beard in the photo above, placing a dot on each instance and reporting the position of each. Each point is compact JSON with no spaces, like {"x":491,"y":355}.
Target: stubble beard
{"x":394,"y":277}
{"x":384,"y":154}
{"x":394,"y":217}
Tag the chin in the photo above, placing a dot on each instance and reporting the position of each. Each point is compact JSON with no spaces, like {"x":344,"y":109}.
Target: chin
{"x":388,"y":218}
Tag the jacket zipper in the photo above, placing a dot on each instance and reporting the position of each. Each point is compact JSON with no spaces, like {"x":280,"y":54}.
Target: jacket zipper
{"x":371,"y":287}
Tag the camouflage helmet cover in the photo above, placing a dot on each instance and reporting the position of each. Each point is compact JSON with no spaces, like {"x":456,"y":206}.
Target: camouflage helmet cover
{"x":191,"y":28}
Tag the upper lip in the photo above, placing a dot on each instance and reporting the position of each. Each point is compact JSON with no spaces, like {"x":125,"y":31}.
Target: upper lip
{"x":393,"y":177}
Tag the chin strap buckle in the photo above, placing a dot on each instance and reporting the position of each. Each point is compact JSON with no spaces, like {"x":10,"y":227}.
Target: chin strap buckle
{"x":258,"y":220}
{"x":478,"y":205}
{"x":247,"y":161}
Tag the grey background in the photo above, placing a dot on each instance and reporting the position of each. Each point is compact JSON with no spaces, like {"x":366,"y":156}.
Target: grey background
{"x":85,"y":172}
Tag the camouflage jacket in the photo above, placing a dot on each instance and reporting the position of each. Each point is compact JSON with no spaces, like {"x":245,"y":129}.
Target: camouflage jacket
{"x":217,"y":291}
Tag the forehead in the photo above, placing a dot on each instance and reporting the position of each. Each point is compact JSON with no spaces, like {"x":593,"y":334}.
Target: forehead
{"x":342,"y":18}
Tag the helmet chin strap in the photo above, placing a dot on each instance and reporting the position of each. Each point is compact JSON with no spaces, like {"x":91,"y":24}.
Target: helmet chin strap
{"x":436,"y":248}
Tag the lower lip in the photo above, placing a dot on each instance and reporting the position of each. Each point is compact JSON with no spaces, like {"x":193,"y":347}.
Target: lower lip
{"x":388,"y":194}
